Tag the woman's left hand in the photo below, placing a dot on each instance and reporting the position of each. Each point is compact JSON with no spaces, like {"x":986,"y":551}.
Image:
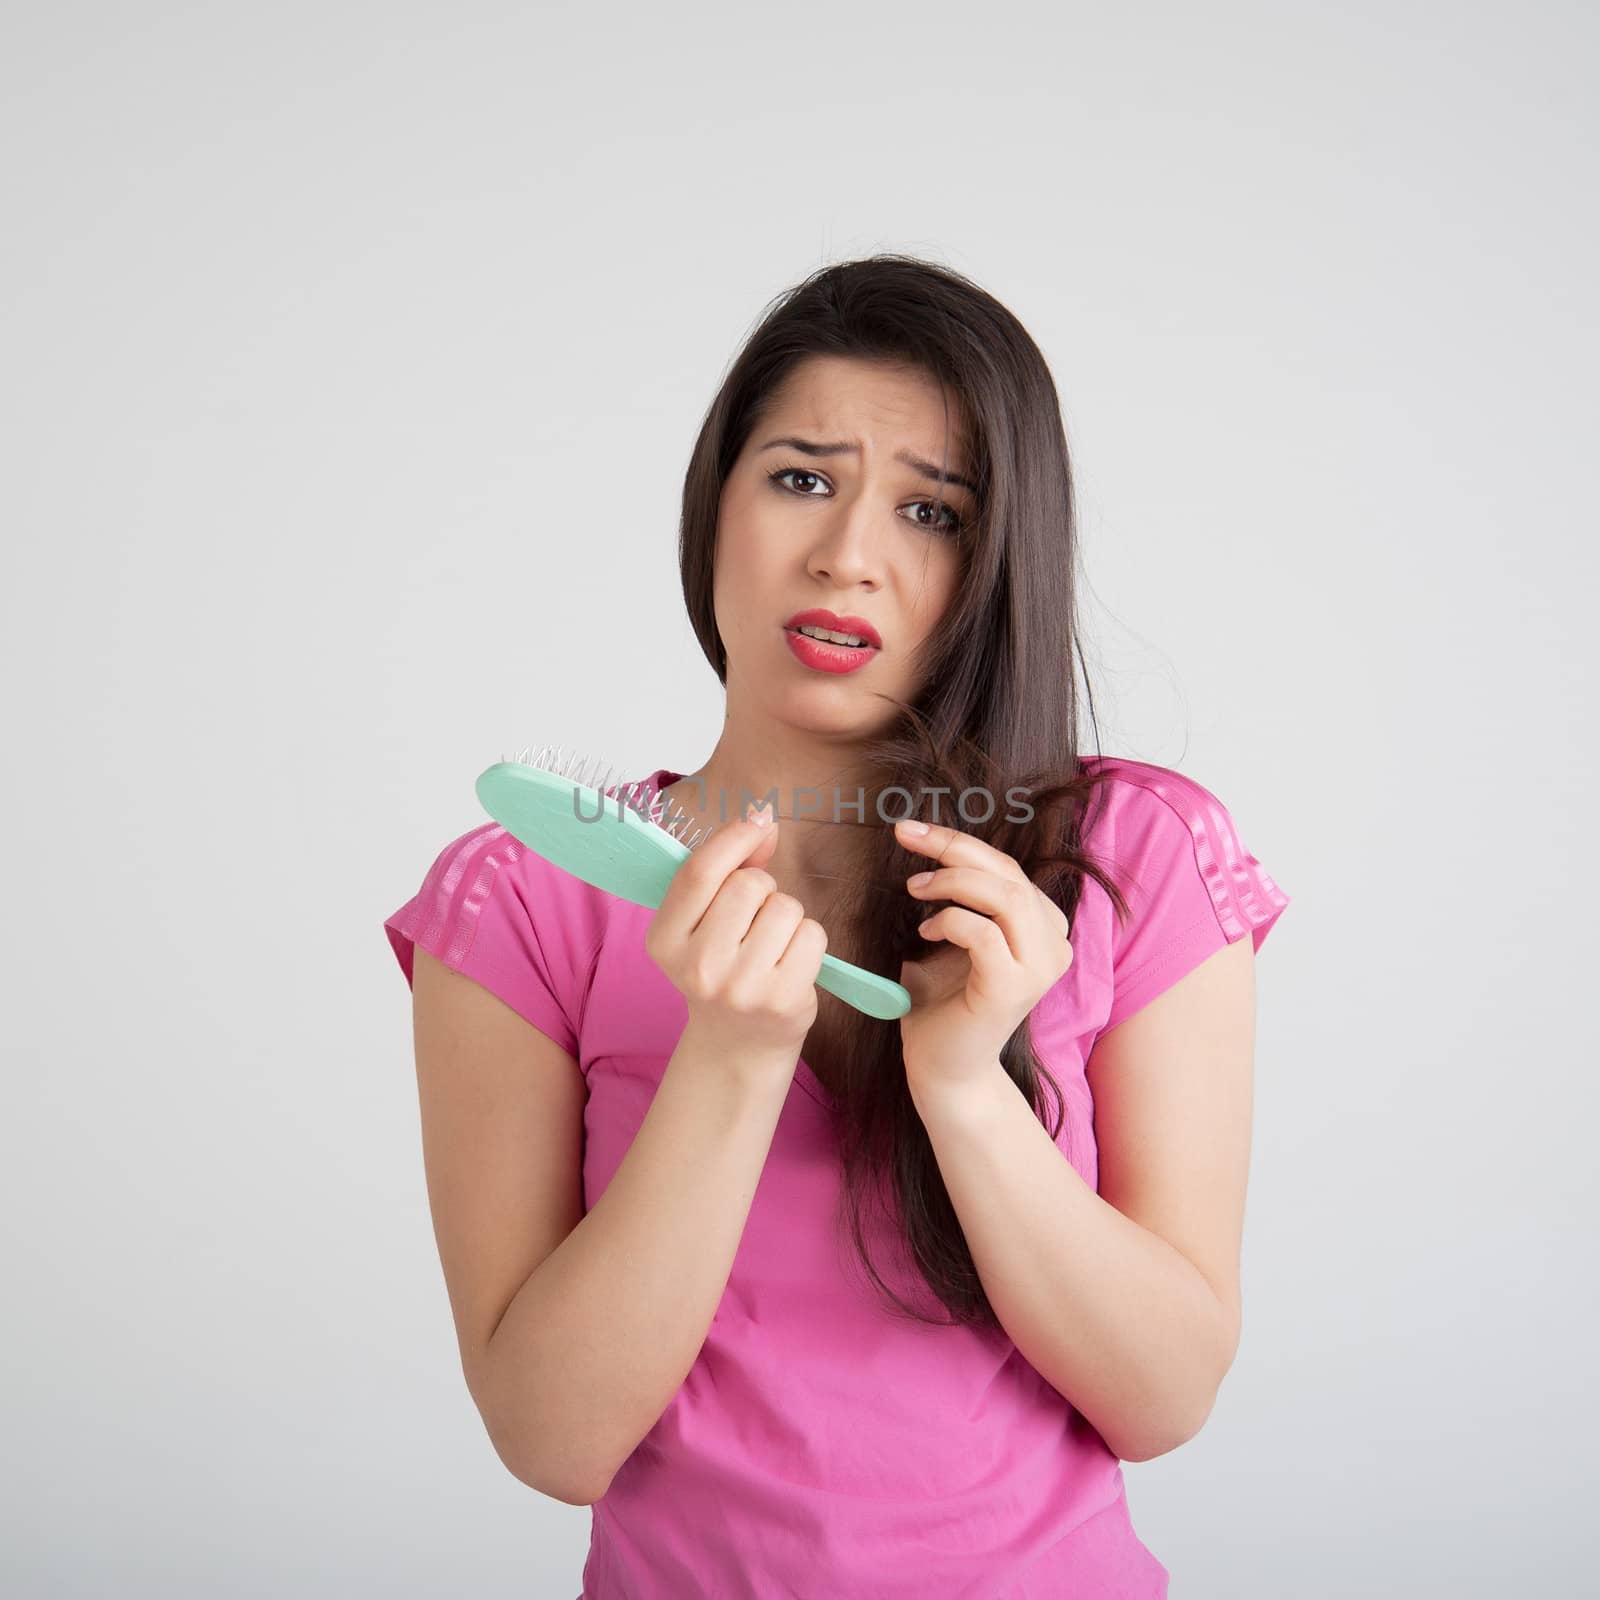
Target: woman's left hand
{"x":1000,"y":957}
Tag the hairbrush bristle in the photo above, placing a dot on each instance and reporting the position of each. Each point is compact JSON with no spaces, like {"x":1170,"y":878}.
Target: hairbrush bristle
{"x":638,"y":796}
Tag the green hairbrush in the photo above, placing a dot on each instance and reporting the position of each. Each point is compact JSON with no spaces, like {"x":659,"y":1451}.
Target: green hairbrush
{"x":629,"y":840}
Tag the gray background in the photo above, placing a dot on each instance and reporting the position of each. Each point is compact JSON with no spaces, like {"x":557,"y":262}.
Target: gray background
{"x":351,"y":360}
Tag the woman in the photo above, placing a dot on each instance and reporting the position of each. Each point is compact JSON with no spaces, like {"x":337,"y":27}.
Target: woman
{"x":801,"y":1302}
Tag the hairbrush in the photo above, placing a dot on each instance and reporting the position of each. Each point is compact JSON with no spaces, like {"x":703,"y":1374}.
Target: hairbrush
{"x":629,"y":840}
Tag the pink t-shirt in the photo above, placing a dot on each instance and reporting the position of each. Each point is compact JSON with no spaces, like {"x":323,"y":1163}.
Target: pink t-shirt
{"x":820,"y":1446}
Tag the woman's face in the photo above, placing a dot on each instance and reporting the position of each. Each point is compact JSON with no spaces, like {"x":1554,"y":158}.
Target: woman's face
{"x":858,"y":531}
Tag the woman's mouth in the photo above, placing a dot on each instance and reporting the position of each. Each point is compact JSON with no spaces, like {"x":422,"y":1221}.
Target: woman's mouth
{"x":822,"y":650}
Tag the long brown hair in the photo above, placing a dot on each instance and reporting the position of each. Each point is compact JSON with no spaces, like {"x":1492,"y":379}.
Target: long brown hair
{"x":997,"y":706}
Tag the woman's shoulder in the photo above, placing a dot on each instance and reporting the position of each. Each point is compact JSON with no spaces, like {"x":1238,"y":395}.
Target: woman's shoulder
{"x":1136,"y":799}
{"x":1127,"y":779}
{"x":1173,"y":844}
{"x":486,"y":891}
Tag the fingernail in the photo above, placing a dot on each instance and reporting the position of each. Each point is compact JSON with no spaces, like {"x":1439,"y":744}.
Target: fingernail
{"x":762,"y":815}
{"x":914,"y":827}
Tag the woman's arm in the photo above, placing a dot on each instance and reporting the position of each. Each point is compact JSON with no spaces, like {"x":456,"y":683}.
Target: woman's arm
{"x":1126,"y":1301}
{"x":603,"y":1333}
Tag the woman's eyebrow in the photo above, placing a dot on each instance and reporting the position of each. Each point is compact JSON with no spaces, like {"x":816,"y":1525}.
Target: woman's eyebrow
{"x":926,"y":469}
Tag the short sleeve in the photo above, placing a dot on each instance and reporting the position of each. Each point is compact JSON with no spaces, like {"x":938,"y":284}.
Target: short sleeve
{"x":1191,"y":884}
{"x":494,"y":910}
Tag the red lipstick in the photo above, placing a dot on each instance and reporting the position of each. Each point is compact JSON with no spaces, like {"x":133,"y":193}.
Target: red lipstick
{"x":818,"y":618}
{"x":823,"y":655}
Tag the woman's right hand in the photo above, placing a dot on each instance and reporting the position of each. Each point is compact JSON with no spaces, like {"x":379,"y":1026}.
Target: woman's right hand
{"x":743,"y":954}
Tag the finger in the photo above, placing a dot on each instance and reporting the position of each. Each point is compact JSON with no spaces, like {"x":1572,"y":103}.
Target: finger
{"x":769,"y":933}
{"x":807,"y":946}
{"x":1005,"y":900}
{"x":952,"y":847}
{"x":696,"y":882}
{"x":736,"y":907}
{"x":981,"y":938}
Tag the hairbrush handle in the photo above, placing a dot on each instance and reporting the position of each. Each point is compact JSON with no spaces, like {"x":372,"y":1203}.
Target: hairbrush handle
{"x":866,"y":991}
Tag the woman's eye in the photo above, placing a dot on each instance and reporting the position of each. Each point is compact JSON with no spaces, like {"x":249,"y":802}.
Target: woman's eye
{"x":794,"y":472}
{"x":952,"y":523}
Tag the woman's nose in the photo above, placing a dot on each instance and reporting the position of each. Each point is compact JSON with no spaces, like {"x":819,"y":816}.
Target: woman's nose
{"x":849,"y":551}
